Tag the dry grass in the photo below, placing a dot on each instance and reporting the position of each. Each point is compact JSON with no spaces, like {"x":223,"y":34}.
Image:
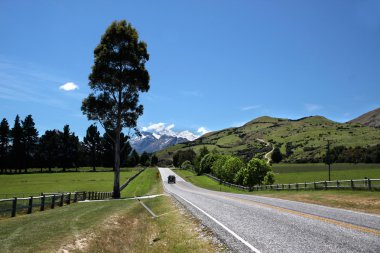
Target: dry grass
{"x":136,"y":231}
{"x":357,"y":201}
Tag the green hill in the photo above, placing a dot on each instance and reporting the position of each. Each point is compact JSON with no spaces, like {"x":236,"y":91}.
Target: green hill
{"x":302,"y":140}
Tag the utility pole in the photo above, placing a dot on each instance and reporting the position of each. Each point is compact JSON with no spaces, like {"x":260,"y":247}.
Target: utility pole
{"x":328,"y":158}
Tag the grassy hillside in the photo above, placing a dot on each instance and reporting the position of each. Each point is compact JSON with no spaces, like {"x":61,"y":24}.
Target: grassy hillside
{"x":306,"y":137}
{"x":371,"y":118}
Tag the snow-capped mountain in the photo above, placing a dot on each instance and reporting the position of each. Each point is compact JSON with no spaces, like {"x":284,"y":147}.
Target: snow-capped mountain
{"x":152,"y":142}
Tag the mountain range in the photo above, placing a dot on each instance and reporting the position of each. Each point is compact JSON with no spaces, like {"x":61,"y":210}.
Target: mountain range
{"x":300,"y":140}
{"x":152,"y":142}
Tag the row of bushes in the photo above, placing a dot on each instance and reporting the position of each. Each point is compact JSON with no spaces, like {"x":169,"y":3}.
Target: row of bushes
{"x":233,"y":170}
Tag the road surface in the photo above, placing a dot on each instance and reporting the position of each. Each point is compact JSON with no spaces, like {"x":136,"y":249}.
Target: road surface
{"x":260,"y":224}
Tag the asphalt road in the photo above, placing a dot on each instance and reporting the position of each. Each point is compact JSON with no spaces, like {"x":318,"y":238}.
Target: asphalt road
{"x":260,"y":224}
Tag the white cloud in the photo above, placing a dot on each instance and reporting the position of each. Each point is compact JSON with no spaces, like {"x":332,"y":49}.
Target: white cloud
{"x":312,"y":107}
{"x":250,"y":107}
{"x":202,"y":131}
{"x":69,"y":86}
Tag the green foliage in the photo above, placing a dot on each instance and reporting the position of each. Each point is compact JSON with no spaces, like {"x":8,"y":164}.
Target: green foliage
{"x":269,"y":178}
{"x":4,"y":144}
{"x":92,"y":144}
{"x":186,"y":165}
{"x":145,"y":159}
{"x":276,"y":155}
{"x":30,"y":141}
{"x":207,"y":162}
{"x":17,"y":150}
{"x":231,"y":166}
{"x":134,"y":159}
{"x":118,"y":76}
{"x":182,"y":156}
{"x":254,"y":172}
{"x":217,"y":166}
{"x":154,"y":160}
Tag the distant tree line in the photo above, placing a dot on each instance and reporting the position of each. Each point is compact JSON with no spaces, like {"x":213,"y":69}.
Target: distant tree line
{"x":22,"y":148}
{"x":227,"y":168}
{"x":341,"y":154}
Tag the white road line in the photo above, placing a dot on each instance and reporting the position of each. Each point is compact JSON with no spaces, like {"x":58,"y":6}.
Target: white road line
{"x":223,"y":226}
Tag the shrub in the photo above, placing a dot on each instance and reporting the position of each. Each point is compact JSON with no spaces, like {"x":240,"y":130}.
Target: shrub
{"x":186,"y":165}
{"x":207,"y":162}
{"x":269,"y":178}
{"x":254,"y":172}
{"x":231,"y":167}
{"x":217,"y":166}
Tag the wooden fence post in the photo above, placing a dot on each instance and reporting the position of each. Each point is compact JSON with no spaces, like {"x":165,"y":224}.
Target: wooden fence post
{"x":75,"y":197}
{"x":30,"y":206}
{"x":337,"y":184}
{"x":14,"y":206}
{"x":68,"y":200}
{"x":369,"y":184}
{"x":61,"y":200}
{"x":42,"y":204}
{"x":325,"y":185}
{"x":297,"y":186}
{"x":352,"y":184}
{"x":315,"y":186}
{"x":52,"y":202}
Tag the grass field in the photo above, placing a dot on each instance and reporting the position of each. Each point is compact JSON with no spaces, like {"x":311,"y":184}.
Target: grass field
{"x":33,"y":184}
{"x":299,"y":173}
{"x":109,"y":226}
{"x":364,"y":201}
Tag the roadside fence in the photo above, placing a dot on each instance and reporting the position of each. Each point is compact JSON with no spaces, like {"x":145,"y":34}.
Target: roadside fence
{"x":353,"y":184}
{"x":26,"y":205}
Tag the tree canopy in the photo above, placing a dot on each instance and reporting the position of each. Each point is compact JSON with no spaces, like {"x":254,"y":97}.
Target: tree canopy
{"x":117,"y":78}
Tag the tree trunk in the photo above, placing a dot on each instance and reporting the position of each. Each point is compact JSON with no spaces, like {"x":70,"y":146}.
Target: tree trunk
{"x":116,"y":183}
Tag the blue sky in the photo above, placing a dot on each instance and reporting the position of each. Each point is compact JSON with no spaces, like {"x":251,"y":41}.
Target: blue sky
{"x":213,"y":64}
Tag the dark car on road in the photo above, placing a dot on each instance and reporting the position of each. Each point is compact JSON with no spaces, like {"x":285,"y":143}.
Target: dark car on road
{"x":171,"y":179}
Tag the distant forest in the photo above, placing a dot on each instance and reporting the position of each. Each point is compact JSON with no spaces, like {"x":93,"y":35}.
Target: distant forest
{"x":22,"y":148}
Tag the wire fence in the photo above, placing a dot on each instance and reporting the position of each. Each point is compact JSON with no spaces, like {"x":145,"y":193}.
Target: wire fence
{"x":353,"y":184}
{"x":10,"y":207}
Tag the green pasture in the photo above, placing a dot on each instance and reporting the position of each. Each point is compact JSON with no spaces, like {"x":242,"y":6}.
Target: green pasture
{"x":299,"y":173}
{"x":33,"y":184}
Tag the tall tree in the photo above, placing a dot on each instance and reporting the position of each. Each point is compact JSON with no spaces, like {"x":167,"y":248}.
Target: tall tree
{"x":276,"y":156}
{"x":117,"y":78}
{"x":154,"y":160}
{"x":4,"y":144}
{"x":69,"y":148}
{"x":30,"y":141}
{"x":49,"y":148}
{"x":92,"y":143}
{"x":134,"y":159}
{"x":17,"y":151}
{"x":145,"y":159}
